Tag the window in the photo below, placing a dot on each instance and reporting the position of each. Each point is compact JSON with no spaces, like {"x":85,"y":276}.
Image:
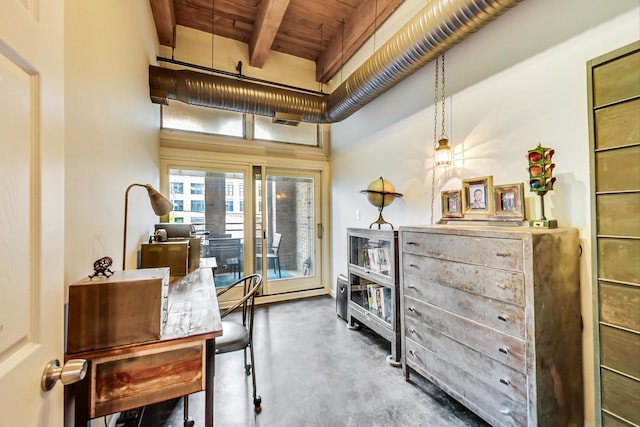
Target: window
{"x":229,"y":189}
{"x":303,"y":134}
{"x":195,"y":118}
{"x":197,"y":188}
{"x":241,"y":206}
{"x":178,"y":220}
{"x":197,"y":206}
{"x":177,"y":188}
{"x":229,"y":205}
{"x":178,"y":205}
{"x":213,"y":121}
{"x":241,"y":190}
{"x":197,"y":220}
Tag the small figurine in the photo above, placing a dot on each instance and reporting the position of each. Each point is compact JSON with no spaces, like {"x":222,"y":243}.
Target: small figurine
{"x":102,"y":267}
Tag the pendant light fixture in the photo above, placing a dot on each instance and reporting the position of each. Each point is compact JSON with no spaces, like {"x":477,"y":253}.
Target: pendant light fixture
{"x":443,"y":152}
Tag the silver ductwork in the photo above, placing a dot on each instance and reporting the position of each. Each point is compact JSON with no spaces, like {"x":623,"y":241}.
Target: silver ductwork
{"x":440,"y":25}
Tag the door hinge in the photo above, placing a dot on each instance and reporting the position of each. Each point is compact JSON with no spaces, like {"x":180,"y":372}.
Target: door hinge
{"x":320,"y":230}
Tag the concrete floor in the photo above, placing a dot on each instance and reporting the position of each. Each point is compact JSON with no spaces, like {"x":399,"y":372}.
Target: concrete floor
{"x":313,"y":371}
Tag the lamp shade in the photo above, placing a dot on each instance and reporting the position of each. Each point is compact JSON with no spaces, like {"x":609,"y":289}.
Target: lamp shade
{"x":443,"y":152}
{"x":159,"y":203}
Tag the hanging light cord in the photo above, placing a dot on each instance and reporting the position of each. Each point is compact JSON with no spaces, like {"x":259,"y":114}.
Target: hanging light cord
{"x":443,"y":95}
{"x":435,"y":140}
{"x":213,"y":28}
{"x":342,"y":55}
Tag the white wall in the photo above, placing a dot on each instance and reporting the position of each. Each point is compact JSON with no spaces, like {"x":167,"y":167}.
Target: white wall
{"x":111,"y":130}
{"x":519,"y":81}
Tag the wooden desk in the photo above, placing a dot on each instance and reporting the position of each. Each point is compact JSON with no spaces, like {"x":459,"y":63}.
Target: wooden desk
{"x":181,"y":362}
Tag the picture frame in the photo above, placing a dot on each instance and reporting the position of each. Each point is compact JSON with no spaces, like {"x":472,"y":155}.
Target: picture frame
{"x":478,"y":197}
{"x":508,"y":200}
{"x":452,"y":204}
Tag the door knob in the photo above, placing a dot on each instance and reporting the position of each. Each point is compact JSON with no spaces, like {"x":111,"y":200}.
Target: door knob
{"x":72,"y":371}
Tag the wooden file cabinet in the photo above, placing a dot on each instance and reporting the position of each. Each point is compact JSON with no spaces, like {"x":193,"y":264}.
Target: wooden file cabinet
{"x":492,"y":316}
{"x":128,"y":307}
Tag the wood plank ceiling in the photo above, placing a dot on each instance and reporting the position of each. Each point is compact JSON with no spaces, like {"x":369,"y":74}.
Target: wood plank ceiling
{"x":327,"y":32}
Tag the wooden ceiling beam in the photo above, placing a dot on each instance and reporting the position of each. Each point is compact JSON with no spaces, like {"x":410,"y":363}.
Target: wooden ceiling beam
{"x":356,"y":31}
{"x":165,"y":18}
{"x":267,"y":24}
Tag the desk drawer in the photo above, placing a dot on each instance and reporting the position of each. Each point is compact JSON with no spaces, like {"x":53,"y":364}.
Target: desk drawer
{"x":132,"y":380}
{"x":507,"y":318}
{"x":496,"y":345}
{"x":507,"y":286}
{"x":495,"y":375}
{"x":497,"y":408}
{"x":506,"y":254}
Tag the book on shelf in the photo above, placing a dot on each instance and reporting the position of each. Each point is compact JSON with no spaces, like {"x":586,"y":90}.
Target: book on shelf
{"x":378,"y":260}
{"x":378,"y":301}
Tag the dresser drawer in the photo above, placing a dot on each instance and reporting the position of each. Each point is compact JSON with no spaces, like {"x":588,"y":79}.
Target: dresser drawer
{"x":506,"y":254}
{"x":494,"y":407}
{"x":496,"y":345}
{"x":507,"y":318}
{"x":494,"y":374}
{"x":507,"y":286}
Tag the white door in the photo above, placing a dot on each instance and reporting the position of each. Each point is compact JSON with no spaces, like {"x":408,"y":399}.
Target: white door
{"x":32,"y":208}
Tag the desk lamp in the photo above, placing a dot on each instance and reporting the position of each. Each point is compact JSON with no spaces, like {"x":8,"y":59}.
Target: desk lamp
{"x":159,"y":203}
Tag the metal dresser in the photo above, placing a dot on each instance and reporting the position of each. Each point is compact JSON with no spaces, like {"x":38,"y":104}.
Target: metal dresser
{"x":492,"y":316}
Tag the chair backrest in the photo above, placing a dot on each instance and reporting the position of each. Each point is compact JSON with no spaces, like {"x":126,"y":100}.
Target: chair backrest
{"x":224,"y":248}
{"x":251,"y":285}
{"x":275,"y":246}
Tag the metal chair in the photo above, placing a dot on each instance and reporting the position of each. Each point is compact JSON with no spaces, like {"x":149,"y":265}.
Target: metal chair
{"x":238,"y":335}
{"x":273,"y":254}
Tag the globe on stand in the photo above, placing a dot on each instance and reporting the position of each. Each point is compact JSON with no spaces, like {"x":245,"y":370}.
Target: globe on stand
{"x":381,"y":193}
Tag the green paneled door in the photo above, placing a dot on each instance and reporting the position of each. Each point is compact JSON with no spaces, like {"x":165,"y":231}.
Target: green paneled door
{"x":614,"y":97}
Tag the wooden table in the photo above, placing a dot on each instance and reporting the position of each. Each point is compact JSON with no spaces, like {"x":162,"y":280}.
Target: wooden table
{"x":181,"y":362}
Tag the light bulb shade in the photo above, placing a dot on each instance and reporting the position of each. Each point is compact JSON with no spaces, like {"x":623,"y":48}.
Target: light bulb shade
{"x":443,"y":152}
{"x":160,"y":204}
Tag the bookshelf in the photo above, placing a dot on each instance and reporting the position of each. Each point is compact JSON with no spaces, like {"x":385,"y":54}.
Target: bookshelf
{"x":373,"y":285}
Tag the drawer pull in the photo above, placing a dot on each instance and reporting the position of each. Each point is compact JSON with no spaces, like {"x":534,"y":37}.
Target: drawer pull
{"x":411,"y":352}
{"x":505,"y":411}
{"x":413,"y":331}
{"x":503,"y":254}
{"x":505,"y":382}
{"x":503,"y":286}
{"x":503,"y":350}
{"x":411,"y":309}
{"x":410,"y":286}
{"x":501,"y":317}
{"x":413,"y":265}
{"x":411,"y":243}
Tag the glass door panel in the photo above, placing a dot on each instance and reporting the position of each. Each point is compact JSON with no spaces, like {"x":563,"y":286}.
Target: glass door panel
{"x":287,"y":216}
{"x":213,"y":201}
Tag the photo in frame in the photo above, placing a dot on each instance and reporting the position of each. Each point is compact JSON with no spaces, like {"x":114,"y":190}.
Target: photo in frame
{"x":478,"y":197}
{"x":508,"y":201}
{"x":452,"y":204}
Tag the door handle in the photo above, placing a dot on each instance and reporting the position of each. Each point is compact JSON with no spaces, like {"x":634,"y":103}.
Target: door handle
{"x":72,"y":372}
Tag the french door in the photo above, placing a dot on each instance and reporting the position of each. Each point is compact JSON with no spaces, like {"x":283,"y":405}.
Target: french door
{"x":288,"y":229}
{"x":253,"y":219}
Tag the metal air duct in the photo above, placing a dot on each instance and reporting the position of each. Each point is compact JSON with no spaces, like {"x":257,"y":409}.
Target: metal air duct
{"x":440,"y":25}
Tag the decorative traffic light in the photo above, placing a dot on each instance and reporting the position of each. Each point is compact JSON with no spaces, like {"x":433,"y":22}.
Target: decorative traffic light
{"x":541,"y":169}
{"x":541,"y":180}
